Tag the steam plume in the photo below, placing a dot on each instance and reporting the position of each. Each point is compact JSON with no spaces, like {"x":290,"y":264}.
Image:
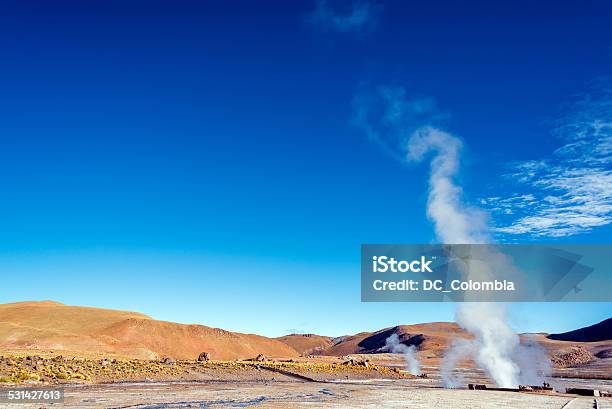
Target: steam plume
{"x":393,"y":345}
{"x":455,"y":223}
{"x":458,"y":350}
{"x":494,"y":341}
{"x":533,"y":361}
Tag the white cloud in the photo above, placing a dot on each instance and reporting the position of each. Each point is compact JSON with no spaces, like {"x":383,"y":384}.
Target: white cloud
{"x":359,"y":15}
{"x":570,"y":192}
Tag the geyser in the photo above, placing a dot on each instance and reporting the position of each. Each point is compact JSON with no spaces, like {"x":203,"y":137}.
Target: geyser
{"x":393,"y":345}
{"x":495,"y":344}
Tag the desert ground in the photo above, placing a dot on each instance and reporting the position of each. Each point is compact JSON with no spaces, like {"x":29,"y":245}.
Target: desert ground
{"x":373,"y":393}
{"x":119,"y":359}
{"x":305,"y":382}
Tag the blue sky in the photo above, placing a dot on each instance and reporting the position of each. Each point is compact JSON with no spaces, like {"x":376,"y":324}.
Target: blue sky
{"x":200,"y":162}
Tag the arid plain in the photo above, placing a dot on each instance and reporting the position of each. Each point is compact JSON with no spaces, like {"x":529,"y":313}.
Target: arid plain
{"x":107,"y":358}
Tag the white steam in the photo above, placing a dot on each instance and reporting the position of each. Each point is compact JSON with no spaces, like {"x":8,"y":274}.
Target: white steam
{"x":494,"y":341}
{"x":534,"y":362}
{"x":494,"y":345}
{"x":393,"y":345}
{"x":459,"y":350}
{"x":530,"y":364}
{"x":455,"y":223}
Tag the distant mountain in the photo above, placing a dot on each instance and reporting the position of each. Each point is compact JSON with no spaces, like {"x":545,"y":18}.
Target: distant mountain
{"x":51,"y":326}
{"x":598,"y":332}
{"x":431,"y":338}
{"x":307,"y":344}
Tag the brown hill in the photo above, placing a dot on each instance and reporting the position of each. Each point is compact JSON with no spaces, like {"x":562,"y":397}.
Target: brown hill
{"x":431,"y":338}
{"x":53,"y":326}
{"x":307,"y":344}
{"x":601,"y":331}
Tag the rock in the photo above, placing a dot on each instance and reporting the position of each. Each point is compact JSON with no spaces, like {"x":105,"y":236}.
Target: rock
{"x":204,"y":356}
{"x":573,"y":356}
{"x":260,"y":358}
{"x":168,"y":361}
{"x":354,"y":362}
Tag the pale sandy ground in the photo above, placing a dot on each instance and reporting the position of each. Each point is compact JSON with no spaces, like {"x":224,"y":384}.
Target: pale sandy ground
{"x":369,"y":394}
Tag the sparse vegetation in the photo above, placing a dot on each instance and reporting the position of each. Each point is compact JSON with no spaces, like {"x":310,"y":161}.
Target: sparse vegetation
{"x":23,"y":369}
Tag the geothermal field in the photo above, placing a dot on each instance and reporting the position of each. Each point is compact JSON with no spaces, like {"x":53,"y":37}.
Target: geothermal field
{"x":375,"y":394}
{"x":118,"y":359}
{"x":303,"y":382}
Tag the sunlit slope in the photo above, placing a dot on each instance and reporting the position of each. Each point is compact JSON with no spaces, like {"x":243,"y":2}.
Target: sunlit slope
{"x":51,"y":326}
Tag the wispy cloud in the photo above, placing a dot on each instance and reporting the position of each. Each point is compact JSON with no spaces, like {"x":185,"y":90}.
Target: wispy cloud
{"x":296,"y":331}
{"x":569,"y":192}
{"x":358,"y":16}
